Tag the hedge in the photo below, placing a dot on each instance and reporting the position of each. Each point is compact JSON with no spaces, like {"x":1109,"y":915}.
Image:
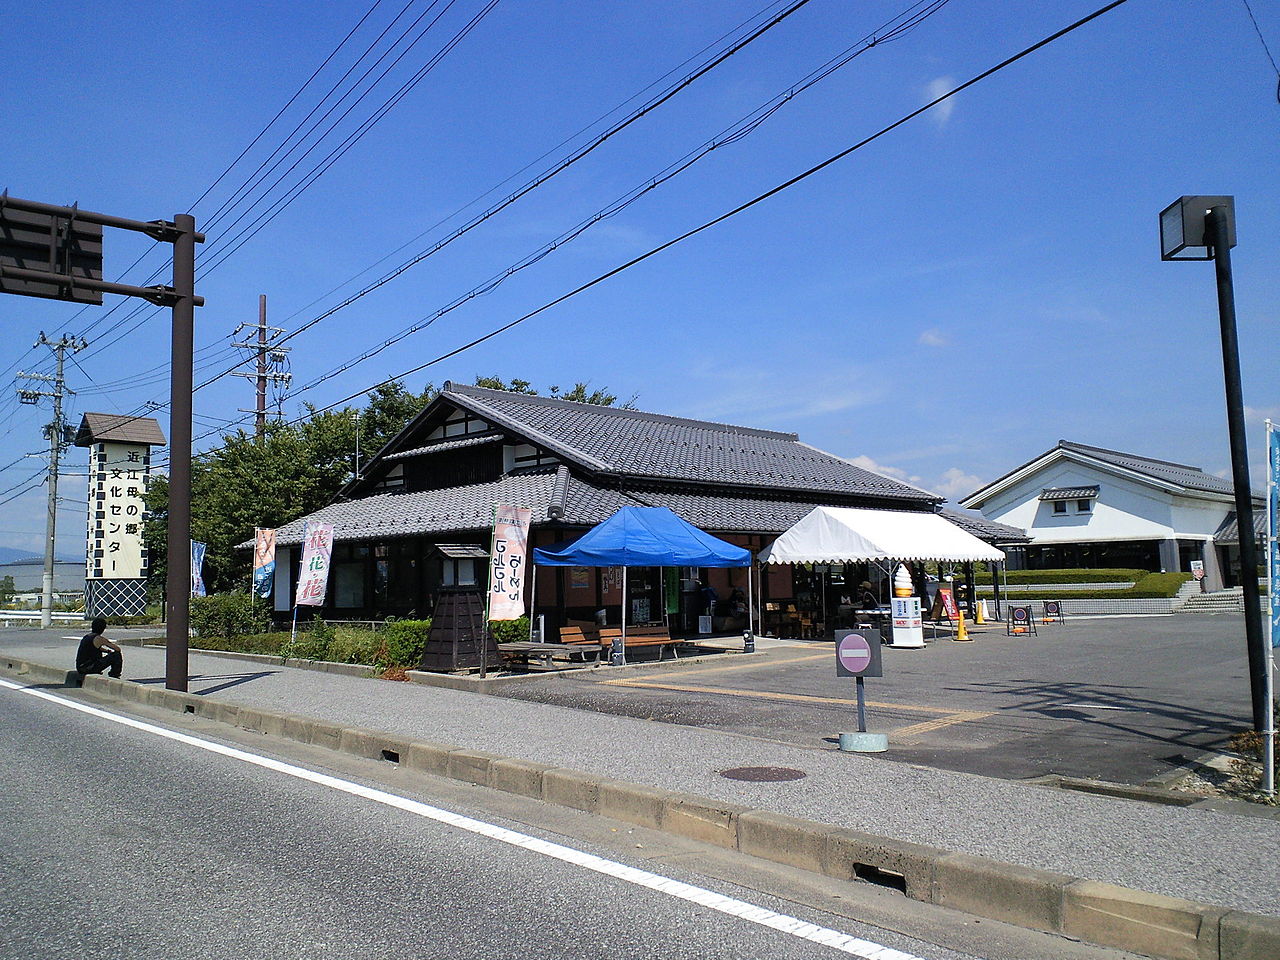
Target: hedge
{"x":1100,"y":575}
{"x":1153,"y":586}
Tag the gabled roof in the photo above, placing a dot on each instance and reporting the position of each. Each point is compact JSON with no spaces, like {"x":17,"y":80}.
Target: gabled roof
{"x":554,"y":496}
{"x":1229,"y":531}
{"x":616,"y":442}
{"x":1176,"y":477}
{"x":118,"y":428}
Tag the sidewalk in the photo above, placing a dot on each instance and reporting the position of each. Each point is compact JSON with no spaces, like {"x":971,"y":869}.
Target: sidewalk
{"x":1193,"y":854}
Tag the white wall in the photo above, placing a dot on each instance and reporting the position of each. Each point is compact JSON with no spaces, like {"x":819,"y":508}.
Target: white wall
{"x":1124,"y":509}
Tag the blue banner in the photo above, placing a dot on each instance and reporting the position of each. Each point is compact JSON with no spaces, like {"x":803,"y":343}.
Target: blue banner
{"x":1273,"y":521}
{"x":264,"y":561}
{"x":197,"y":568}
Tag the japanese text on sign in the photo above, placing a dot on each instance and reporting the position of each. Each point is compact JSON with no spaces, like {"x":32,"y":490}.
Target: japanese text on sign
{"x":313,"y":577}
{"x":507,"y":562}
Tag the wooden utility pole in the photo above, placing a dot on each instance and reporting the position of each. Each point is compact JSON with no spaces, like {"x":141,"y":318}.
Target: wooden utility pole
{"x":268,"y":360}
{"x":57,"y":434}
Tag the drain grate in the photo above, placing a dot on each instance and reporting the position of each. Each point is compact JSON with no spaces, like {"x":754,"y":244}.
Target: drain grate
{"x":764,"y":774}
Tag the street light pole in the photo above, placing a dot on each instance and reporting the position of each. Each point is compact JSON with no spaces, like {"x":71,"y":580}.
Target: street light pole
{"x":1216,"y":237}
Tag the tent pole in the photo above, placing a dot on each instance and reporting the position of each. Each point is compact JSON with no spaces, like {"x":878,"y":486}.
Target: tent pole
{"x":749,"y":642}
{"x":533,"y":596}
{"x":618,"y":655}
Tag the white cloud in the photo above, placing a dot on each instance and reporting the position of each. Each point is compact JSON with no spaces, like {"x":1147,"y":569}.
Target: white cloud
{"x":933,"y":337}
{"x":955,"y":483}
{"x":936,"y":88}
{"x":866,"y":463}
{"x":1259,"y":414}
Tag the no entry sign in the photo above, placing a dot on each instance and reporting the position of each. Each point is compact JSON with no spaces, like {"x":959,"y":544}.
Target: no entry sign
{"x":858,"y":653}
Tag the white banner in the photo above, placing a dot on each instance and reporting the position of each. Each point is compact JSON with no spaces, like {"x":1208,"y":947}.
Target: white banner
{"x":507,"y":561}
{"x":313,"y":577}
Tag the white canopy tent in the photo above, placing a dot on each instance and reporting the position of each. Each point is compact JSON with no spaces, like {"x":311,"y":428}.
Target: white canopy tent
{"x":854,"y":534}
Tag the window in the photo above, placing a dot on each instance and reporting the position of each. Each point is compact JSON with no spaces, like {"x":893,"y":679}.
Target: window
{"x":1059,"y":506}
{"x":1084,"y":506}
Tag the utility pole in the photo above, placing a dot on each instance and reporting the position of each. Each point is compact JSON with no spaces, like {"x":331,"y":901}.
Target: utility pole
{"x":57,"y":433}
{"x":269,"y":360}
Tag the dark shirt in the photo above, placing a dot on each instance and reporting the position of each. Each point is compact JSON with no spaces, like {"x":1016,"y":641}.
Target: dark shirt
{"x":89,"y":652}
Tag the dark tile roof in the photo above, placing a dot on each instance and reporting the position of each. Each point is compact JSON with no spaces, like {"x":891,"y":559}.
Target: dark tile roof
{"x":578,"y":502}
{"x":1069,"y":493}
{"x":440,"y":446}
{"x":1229,"y":532}
{"x":118,"y":428}
{"x":1192,"y":478}
{"x":986,"y":530}
{"x":388,"y":515}
{"x":1180,"y":474}
{"x":632,"y":443}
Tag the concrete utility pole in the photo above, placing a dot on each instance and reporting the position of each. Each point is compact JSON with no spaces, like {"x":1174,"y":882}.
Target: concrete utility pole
{"x":268,"y":360}
{"x":57,"y":434}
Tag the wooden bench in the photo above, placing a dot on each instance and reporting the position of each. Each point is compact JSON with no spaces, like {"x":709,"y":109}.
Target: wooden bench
{"x":656,"y":636}
{"x":581,"y":636}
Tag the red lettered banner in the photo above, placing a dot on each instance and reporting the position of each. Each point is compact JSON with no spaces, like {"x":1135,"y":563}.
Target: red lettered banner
{"x":313,"y":578}
{"x":507,"y":562}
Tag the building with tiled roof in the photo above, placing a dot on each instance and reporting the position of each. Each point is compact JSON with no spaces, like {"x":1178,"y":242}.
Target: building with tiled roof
{"x":1086,"y":506}
{"x":573,"y":464}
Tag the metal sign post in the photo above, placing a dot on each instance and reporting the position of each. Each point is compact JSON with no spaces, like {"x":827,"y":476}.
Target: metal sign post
{"x":858,"y":656}
{"x":56,"y":252}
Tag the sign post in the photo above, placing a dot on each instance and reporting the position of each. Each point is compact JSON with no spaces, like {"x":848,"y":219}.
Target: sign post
{"x":504,"y":599}
{"x":1273,"y":600}
{"x":858,"y":656}
{"x":56,"y":252}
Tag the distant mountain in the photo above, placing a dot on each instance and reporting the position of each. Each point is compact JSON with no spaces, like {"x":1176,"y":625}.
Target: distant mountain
{"x":9,"y":553}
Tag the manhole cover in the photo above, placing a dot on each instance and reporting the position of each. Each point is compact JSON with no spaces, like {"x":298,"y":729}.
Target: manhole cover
{"x":763,"y":774}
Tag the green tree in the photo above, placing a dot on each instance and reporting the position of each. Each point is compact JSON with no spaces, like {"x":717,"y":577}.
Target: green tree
{"x":7,"y":589}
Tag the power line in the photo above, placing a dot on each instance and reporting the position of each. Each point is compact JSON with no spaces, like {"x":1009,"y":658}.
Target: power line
{"x":648,"y":107}
{"x":734,"y":133}
{"x":1258,"y":30}
{"x":288,"y":104}
{"x":738,"y":209}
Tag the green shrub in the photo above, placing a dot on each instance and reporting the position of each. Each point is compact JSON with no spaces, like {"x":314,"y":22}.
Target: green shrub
{"x":138,"y":620}
{"x":354,"y":645}
{"x":1152,"y":586}
{"x":509,"y":631}
{"x":271,"y":644}
{"x":1100,"y":575}
{"x":313,"y":642}
{"x":229,"y":615}
{"x":401,"y":643}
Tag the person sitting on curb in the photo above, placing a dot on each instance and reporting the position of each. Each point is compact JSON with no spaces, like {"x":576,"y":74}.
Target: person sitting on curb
{"x":97,"y":654}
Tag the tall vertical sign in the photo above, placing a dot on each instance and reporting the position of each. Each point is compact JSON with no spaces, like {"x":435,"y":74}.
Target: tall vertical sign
{"x":264,"y":560}
{"x":507,"y":561}
{"x":197,"y":567}
{"x":1273,"y":527}
{"x":313,"y":578}
{"x":116,"y":560}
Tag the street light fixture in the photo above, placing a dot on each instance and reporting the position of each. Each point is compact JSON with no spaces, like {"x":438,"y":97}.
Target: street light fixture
{"x":1203,"y":228}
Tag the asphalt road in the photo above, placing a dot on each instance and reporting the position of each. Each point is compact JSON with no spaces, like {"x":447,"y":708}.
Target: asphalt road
{"x":119,"y":843}
{"x":1126,"y":700}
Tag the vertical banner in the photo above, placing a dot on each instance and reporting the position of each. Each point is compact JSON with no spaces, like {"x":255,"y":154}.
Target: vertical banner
{"x":197,"y":568}
{"x":313,"y":577}
{"x":507,"y":562}
{"x":264,"y":560}
{"x":1273,"y":526}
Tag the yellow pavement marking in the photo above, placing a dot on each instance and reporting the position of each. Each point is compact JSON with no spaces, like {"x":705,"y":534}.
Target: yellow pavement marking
{"x":703,"y":671}
{"x":912,"y":734}
{"x":794,"y":697}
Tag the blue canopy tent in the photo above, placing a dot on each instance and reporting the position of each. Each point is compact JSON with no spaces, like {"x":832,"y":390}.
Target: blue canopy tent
{"x":644,"y":537}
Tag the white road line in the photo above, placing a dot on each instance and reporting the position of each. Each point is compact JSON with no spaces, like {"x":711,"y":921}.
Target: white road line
{"x":843,"y":942}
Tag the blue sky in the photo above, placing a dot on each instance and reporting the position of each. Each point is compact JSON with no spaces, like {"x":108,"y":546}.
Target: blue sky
{"x":943,"y":305}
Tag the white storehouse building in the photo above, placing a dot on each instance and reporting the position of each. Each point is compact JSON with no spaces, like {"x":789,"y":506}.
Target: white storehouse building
{"x":1086,"y":506}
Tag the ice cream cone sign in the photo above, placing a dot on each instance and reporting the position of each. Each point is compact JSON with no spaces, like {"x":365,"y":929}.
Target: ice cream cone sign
{"x":902,"y":586}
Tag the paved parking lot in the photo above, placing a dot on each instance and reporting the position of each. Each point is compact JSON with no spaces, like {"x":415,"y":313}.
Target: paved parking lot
{"x":1122,"y":699}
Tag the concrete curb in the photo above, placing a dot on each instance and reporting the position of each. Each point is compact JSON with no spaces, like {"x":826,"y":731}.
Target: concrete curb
{"x":1089,"y":910}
